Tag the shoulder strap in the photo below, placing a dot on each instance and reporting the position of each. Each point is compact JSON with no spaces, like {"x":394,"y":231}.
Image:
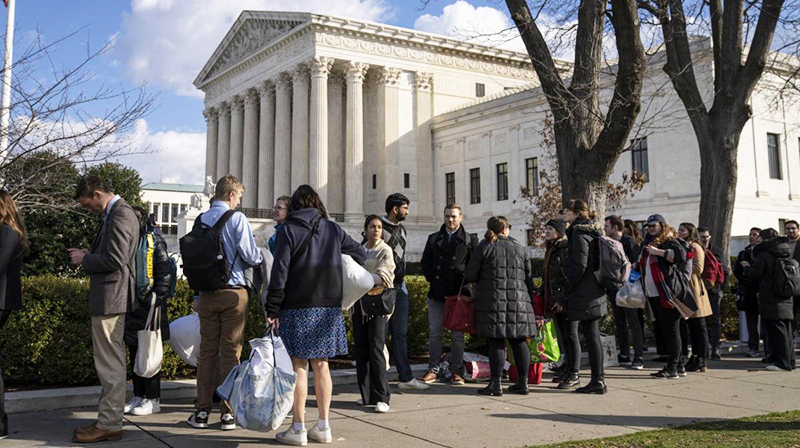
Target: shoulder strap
{"x":306,"y":240}
{"x":223,"y":219}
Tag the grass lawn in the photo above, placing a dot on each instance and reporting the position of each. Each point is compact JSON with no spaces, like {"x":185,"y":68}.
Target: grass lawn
{"x":781,"y":429}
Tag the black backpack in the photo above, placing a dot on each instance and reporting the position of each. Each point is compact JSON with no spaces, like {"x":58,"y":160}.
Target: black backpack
{"x":204,"y":262}
{"x":786,"y":278}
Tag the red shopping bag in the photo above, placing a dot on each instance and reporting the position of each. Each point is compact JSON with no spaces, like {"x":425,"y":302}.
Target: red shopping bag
{"x":459,"y":314}
{"x":534,"y":373}
{"x":538,"y":304}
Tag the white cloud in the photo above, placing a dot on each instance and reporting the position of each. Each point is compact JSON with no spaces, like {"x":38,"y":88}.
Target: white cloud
{"x":174,"y":156}
{"x":483,"y":25}
{"x":167,"y":42}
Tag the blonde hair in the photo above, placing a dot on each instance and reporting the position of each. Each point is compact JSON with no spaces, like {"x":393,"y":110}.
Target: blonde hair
{"x":10,"y":216}
{"x":227,"y":185}
{"x":495,"y":226}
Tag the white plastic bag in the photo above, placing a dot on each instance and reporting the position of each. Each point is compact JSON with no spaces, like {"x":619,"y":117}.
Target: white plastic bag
{"x":356,"y":281}
{"x":184,"y":338}
{"x":264,"y":394}
{"x":150,"y":352}
{"x":631,"y":295}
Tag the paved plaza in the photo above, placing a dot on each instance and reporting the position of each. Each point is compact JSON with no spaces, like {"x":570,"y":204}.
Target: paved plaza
{"x":448,"y":416}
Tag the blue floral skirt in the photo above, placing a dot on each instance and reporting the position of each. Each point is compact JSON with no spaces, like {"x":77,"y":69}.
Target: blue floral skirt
{"x":313,"y":333}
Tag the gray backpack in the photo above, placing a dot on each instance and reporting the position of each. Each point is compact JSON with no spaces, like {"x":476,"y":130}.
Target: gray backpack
{"x":614,"y":268}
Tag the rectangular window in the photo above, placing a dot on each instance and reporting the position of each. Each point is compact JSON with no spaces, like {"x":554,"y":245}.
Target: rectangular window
{"x":532,"y":176}
{"x":502,"y":181}
{"x":480,"y":90}
{"x":155,"y":210}
{"x":165,"y":213}
{"x":774,"y":150}
{"x":374,"y":181}
{"x":450,"y":187}
{"x":174,"y":213}
{"x":183,"y":208}
{"x":475,"y":186}
{"x":406,"y":180}
{"x":639,"y":156}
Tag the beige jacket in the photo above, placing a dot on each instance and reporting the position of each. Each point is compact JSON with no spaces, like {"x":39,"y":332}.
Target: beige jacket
{"x":380,"y":262}
{"x":698,"y":288}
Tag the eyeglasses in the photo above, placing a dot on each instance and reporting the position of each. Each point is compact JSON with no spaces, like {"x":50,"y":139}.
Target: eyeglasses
{"x":280,"y":207}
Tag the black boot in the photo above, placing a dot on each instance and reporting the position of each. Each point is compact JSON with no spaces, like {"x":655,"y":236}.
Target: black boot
{"x":596,"y":386}
{"x":493,"y":388}
{"x":698,"y":366}
{"x":521,"y":387}
{"x":691,"y":366}
{"x":560,"y":377}
{"x":570,"y":381}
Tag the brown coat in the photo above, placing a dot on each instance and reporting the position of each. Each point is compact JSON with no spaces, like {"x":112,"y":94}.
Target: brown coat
{"x":698,"y":288}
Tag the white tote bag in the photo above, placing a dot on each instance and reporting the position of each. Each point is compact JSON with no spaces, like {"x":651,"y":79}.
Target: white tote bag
{"x":356,"y":281}
{"x":150,"y":352}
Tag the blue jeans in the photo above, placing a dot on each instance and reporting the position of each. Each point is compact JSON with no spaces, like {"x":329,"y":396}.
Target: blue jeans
{"x":398,"y":328}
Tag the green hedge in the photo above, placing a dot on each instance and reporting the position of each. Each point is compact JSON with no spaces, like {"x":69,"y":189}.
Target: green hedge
{"x":49,"y":342}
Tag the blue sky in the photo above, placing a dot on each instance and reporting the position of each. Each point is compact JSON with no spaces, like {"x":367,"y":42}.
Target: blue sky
{"x":165,"y":43}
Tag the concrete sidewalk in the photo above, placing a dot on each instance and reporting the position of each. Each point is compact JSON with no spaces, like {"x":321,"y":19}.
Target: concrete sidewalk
{"x":447,"y":416}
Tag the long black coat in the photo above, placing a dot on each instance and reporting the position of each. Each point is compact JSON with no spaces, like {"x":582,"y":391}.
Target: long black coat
{"x":135,"y":320}
{"x":747,"y":288}
{"x":770,"y":305}
{"x":443,"y":262}
{"x":585,"y":296}
{"x":10,"y":267}
{"x":554,"y":283}
{"x":503,"y":307}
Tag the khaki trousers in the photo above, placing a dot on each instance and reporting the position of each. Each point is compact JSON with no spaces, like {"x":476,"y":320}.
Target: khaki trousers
{"x":109,"y":361}
{"x":222,"y":318}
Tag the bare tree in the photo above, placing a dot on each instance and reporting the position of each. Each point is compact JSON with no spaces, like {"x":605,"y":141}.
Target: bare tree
{"x":742,"y":35}
{"x":55,"y":113}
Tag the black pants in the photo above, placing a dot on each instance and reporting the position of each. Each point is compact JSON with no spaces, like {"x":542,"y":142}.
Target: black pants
{"x":685,"y":339}
{"x":658,"y":329}
{"x":628,"y":319}
{"x":751,"y":319}
{"x":714,"y":321}
{"x":149,"y":388}
{"x":369,"y":338}
{"x":562,"y":325}
{"x":699,"y":334}
{"x":591,"y":334}
{"x":3,"y":417}
{"x":781,"y":342}
{"x":670,"y":321}
{"x":497,"y":357}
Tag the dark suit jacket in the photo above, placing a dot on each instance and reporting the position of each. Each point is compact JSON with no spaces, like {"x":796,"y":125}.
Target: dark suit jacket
{"x":111,"y":262}
{"x":10,"y":267}
{"x":443,"y":262}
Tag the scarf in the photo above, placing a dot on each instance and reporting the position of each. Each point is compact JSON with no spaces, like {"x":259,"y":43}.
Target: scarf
{"x":664,"y":294}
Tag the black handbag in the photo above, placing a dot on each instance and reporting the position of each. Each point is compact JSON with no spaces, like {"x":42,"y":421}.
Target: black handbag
{"x":381,"y":304}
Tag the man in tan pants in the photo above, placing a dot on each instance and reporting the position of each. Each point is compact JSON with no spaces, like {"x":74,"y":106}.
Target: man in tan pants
{"x":111,"y":264}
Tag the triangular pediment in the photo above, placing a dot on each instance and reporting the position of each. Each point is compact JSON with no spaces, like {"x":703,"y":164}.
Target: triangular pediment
{"x":251,"y":32}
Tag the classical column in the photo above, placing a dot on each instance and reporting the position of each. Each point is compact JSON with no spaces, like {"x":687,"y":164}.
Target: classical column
{"x":388,"y":144}
{"x":424,"y":97}
{"x":283,"y":135}
{"x":299,"y":126}
{"x":250,"y":150}
{"x":223,"y":140}
{"x":211,"y":117}
{"x":266,"y":146}
{"x":336,"y":168}
{"x":237,"y":134}
{"x":354,"y":143}
{"x":318,"y":124}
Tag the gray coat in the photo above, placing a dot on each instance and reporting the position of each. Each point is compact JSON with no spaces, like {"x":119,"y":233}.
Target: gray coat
{"x":111,"y":263}
{"x":503,"y":307}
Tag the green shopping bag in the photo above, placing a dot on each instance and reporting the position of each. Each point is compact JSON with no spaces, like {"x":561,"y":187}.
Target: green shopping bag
{"x":543,"y":346}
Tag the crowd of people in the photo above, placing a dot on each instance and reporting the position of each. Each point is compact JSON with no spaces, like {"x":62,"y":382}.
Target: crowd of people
{"x":681,"y":274}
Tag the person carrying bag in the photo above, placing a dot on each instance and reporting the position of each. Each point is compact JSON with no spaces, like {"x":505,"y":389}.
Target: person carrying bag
{"x":150,"y":353}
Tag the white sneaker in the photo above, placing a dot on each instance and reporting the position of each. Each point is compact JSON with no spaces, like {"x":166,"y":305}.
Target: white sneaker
{"x":227,"y":423}
{"x":135,"y":402}
{"x":290,"y":437}
{"x":147,"y":407}
{"x":360,"y":402}
{"x":774,"y":368}
{"x":320,"y":435}
{"x":382,"y":408}
{"x":413,"y":384}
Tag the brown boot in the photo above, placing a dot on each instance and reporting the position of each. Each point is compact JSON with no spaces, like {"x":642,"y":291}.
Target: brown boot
{"x":82,"y":429}
{"x":96,"y":435}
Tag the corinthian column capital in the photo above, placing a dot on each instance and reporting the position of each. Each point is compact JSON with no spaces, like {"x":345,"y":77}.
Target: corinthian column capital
{"x":251,"y":98}
{"x":356,"y":71}
{"x":389,"y":76}
{"x":423,"y":81}
{"x":321,"y":65}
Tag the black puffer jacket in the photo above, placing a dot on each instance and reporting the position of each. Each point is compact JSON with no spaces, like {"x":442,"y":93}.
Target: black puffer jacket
{"x":770,"y":305}
{"x":554,"y":283}
{"x":503,"y":307}
{"x":135,"y":320}
{"x":585,"y":296}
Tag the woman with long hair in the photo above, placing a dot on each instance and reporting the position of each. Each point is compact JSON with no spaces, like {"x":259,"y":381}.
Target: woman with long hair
{"x":304,"y":302}
{"x":695,"y":256}
{"x":633,"y":230}
{"x":369,"y":332}
{"x":554,"y":286}
{"x":13,"y":245}
{"x":501,"y":270}
{"x":585,"y":297}
{"x":658,"y":263}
